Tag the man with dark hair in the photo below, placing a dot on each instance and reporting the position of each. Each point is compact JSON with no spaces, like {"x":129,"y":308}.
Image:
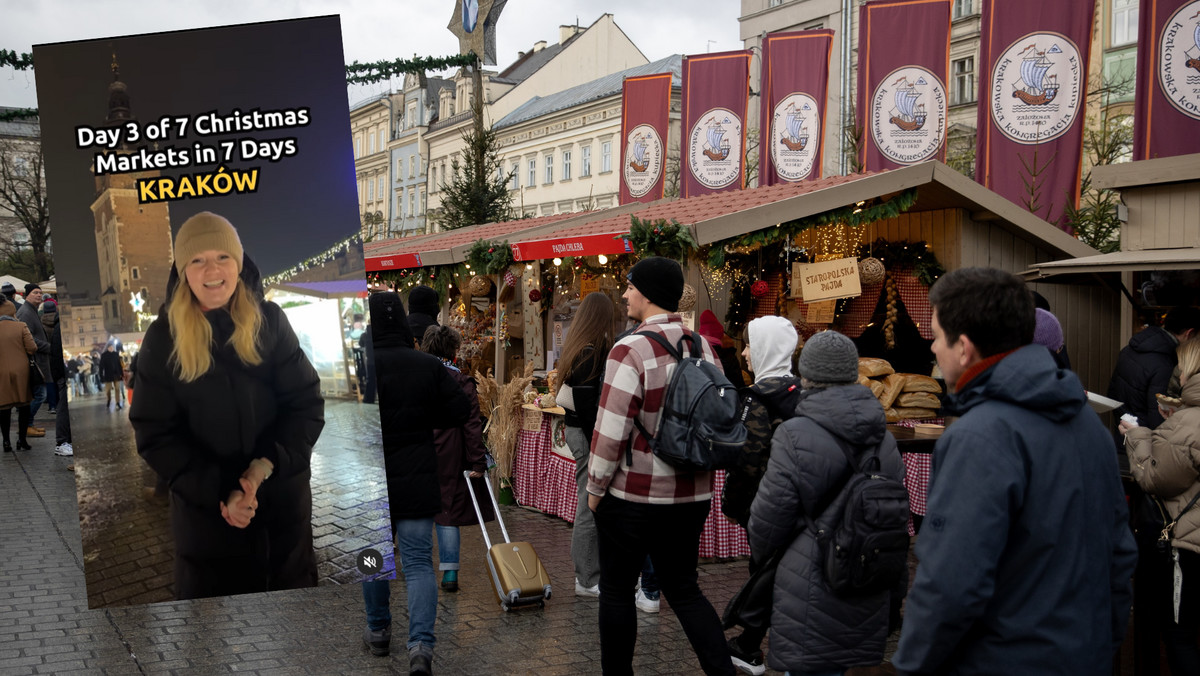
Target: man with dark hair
{"x":1025,"y":551}
{"x":1144,"y":367}
{"x":643,"y":505}
{"x":28,"y":313}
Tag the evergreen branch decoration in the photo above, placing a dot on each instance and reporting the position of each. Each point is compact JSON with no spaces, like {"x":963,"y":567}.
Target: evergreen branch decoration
{"x":367,"y":73}
{"x":852,"y":215}
{"x":18,"y":114}
{"x":490,"y":257}
{"x":313,"y":261}
{"x":15,"y":60}
{"x":916,"y":255}
{"x":660,"y":238}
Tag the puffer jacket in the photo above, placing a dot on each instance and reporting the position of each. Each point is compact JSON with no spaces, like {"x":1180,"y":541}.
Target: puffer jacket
{"x":812,"y":629}
{"x":765,"y":404}
{"x":1143,"y":370}
{"x":1166,"y":463}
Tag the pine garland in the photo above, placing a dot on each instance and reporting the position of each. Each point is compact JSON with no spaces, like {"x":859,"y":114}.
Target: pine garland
{"x":852,"y":215}
{"x":367,"y":73}
{"x":895,"y":255}
{"x":18,"y":114}
{"x":660,"y":238}
{"x":490,"y":257}
{"x":15,"y":60}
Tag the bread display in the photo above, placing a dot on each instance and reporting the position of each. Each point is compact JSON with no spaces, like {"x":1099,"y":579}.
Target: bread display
{"x":873,"y":368}
{"x":904,"y":396}
{"x":917,"y":400}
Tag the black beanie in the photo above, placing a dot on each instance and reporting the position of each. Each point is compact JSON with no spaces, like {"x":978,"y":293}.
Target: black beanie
{"x":424,"y":300}
{"x":30,"y":287}
{"x":660,"y":280}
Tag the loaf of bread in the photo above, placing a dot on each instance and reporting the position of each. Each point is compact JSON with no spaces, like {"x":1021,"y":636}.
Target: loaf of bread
{"x":918,"y":400}
{"x":914,"y":413}
{"x":892,"y":415}
{"x":872,"y":368}
{"x":877,"y":387}
{"x":891,"y":389}
{"x":919,"y":383}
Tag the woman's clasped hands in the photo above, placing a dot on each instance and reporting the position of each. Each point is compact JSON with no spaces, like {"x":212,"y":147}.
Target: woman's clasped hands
{"x":242,"y":505}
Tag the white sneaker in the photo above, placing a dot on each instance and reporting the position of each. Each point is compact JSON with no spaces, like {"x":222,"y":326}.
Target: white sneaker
{"x":645,"y":603}
{"x":581,"y":590}
{"x":64,"y":449}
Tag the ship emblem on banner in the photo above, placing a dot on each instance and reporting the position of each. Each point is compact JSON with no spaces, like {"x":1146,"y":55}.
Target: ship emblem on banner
{"x":1179,"y":59}
{"x":908,"y":115}
{"x":1036,"y":87}
{"x":712,"y":159}
{"x":794,"y":124}
{"x":642,"y":166}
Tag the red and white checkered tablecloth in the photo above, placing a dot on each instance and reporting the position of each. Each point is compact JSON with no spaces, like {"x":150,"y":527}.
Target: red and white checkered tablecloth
{"x":545,"y":480}
{"x":913,"y":293}
{"x":916,"y":474}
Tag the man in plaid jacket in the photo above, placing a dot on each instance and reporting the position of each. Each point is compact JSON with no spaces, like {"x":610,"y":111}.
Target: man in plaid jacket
{"x":646,"y":506}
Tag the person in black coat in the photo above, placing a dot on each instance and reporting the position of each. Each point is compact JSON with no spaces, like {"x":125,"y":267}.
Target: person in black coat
{"x":112,"y":374}
{"x":1144,"y":366}
{"x":228,"y":413}
{"x":416,"y":395}
{"x":59,"y":376}
{"x":422,"y":310}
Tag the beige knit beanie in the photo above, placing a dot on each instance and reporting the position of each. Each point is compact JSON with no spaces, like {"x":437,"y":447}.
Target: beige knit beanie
{"x":206,"y":231}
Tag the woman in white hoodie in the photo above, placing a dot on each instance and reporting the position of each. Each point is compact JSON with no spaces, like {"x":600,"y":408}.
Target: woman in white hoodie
{"x":767,"y":403}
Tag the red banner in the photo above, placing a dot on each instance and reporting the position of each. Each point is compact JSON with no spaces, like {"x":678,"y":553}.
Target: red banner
{"x":1167,"y":103}
{"x":1034,"y":55}
{"x":716,"y":90}
{"x":795,"y":81}
{"x":903,"y":102}
{"x":645,"y":116}
{"x":579,"y":245}
{"x":393,"y":262}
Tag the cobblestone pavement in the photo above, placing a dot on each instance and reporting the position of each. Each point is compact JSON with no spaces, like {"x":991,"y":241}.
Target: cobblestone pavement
{"x":46,"y":627}
{"x":127,"y":545}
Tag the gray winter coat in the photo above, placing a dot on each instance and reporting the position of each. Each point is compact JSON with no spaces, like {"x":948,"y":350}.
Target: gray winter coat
{"x":27,"y":313}
{"x":812,"y":629}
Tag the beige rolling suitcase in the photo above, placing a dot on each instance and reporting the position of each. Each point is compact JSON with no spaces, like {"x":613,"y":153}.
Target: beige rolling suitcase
{"x":517,"y":572}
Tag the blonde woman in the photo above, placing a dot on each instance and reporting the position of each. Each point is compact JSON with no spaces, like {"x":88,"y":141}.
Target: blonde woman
{"x":229,"y":408}
{"x":1166,"y":464}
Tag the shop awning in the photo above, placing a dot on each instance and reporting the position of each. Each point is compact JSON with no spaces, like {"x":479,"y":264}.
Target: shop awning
{"x":342,"y":288}
{"x":1071,"y":269}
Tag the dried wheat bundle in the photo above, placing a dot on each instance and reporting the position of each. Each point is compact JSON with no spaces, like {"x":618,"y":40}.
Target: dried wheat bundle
{"x":504,"y":420}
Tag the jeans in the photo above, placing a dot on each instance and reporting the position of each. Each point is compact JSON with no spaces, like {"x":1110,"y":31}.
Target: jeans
{"x":670,"y":534}
{"x":62,"y":417}
{"x":584,"y":548}
{"x":448,"y":540}
{"x":649,"y":583}
{"x":39,"y":396}
{"x":52,"y":397}
{"x":414,"y":542}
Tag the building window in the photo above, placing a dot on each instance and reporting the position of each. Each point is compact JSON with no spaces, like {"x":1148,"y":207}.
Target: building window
{"x":412,"y":166}
{"x":775,"y":3}
{"x":380,"y":186}
{"x":549,"y":168}
{"x":358,"y":146}
{"x":606,"y":157}
{"x":134,"y":271}
{"x":370,"y":189}
{"x":399,"y":206}
{"x":963,"y":8}
{"x":400,"y":170}
{"x":532,"y":173}
{"x":964,"y":81}
{"x":566,"y":174}
{"x":1124,"y":21}
{"x":411,"y":199}
{"x":585,"y":162}
{"x":421,"y":202}
{"x":516,"y":177}
{"x":411,"y":119}
{"x":371,"y":143}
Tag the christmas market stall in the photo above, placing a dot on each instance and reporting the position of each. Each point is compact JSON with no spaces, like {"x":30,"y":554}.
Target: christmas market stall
{"x":323,"y":316}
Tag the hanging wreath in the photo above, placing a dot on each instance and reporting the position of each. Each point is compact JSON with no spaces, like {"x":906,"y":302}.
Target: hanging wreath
{"x":759,"y":289}
{"x":490,"y":257}
{"x":660,"y":238}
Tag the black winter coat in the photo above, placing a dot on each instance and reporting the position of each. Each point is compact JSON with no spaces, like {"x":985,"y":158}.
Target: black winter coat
{"x":58,"y":367}
{"x":416,"y":395}
{"x":586,"y":378}
{"x":1143,"y":370}
{"x":813,"y":629}
{"x":201,"y":436}
{"x":111,"y":369}
{"x":419,"y":322}
{"x":765,"y":405}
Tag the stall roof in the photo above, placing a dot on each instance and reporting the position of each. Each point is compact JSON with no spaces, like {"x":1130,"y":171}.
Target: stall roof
{"x":1121,"y":261}
{"x":342,"y":288}
{"x":1147,"y":172}
{"x":719,"y":216}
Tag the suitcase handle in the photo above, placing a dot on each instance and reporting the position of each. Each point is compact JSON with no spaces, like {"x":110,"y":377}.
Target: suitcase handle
{"x":479,"y":514}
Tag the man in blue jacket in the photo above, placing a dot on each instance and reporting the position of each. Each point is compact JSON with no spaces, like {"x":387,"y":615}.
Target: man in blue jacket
{"x":1025,"y":552}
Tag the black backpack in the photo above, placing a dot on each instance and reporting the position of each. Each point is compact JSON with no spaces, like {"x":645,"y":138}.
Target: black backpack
{"x":866,"y":550}
{"x":701,"y":427}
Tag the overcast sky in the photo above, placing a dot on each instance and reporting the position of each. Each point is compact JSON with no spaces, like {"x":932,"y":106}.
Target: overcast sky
{"x":371,"y":31}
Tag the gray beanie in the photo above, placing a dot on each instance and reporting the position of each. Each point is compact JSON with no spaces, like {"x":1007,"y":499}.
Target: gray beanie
{"x":829,"y":357}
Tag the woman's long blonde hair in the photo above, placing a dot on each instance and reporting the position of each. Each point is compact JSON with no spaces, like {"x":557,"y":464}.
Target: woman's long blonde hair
{"x":193,"y":337}
{"x":1189,"y":358}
